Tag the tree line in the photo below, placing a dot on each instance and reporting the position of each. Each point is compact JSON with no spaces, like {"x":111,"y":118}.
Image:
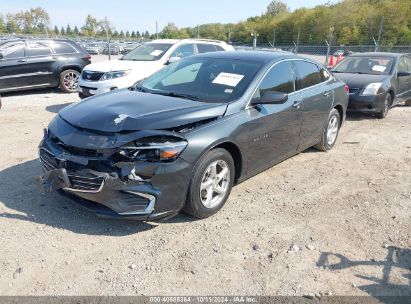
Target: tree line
{"x":342,"y":23}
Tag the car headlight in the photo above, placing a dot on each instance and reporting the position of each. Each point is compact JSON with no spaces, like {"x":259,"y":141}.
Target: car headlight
{"x":154,"y":149}
{"x":114,"y":75}
{"x":372,"y":89}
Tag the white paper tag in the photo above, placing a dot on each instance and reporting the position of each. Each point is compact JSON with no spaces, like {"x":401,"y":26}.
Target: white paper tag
{"x":379,"y":68}
{"x":156,"y":53}
{"x":228,"y":91}
{"x":228,"y":79}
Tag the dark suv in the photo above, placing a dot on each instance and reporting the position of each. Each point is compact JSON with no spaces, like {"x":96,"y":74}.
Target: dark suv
{"x":38,"y":63}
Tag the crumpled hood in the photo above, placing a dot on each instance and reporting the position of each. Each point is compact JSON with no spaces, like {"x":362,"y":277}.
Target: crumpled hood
{"x":360,"y":80}
{"x":125,"y":110}
{"x":118,"y":65}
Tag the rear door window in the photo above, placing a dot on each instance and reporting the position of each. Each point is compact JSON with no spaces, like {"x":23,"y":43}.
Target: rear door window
{"x":308,"y":74}
{"x":36,"y":49}
{"x":206,"y":48}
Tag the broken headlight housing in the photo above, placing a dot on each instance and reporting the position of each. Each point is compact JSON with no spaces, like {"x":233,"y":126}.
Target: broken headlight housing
{"x":154,"y":149}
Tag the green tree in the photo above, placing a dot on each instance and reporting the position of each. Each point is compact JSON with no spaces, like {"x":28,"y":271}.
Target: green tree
{"x":76,"y":31}
{"x":62,"y":31}
{"x":90,"y":27}
{"x":277,"y":7}
{"x":2,"y":25}
{"x":56,"y":31}
{"x":69,"y":32}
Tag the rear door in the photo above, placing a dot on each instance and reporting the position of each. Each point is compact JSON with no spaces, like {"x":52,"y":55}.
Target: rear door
{"x":317,"y":98}
{"x":40,"y":63}
{"x":274,"y":129}
{"x":13,"y":69}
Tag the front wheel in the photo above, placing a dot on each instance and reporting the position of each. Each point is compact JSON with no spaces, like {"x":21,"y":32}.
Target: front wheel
{"x":69,"y":81}
{"x":387,"y":104}
{"x":330,"y":132}
{"x":211,"y":184}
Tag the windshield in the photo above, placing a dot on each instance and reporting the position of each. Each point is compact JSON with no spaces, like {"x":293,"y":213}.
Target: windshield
{"x":365,"y":65}
{"x":148,"y":52}
{"x":203,"y":79}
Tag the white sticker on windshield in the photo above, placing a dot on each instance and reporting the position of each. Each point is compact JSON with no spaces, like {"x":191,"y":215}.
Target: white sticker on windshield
{"x":156,"y":53}
{"x":228,"y":91}
{"x":228,"y":79}
{"x":379,"y":68}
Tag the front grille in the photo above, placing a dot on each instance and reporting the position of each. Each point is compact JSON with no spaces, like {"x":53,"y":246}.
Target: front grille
{"x":91,"y":76}
{"x":79,"y":181}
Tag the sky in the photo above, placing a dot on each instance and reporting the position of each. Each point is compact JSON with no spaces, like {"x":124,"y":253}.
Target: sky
{"x":142,"y":15}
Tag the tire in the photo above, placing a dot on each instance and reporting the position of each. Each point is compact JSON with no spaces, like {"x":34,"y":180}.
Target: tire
{"x":69,"y":81}
{"x":387,"y":104}
{"x":198,"y":203}
{"x":330,"y":133}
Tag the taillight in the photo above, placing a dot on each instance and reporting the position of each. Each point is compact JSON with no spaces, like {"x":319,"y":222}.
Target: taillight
{"x":88,"y":56}
{"x":347,"y":89}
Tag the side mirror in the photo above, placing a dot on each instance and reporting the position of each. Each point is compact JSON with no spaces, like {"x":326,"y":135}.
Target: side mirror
{"x":172,"y":60}
{"x":403,"y":74}
{"x":271,"y":97}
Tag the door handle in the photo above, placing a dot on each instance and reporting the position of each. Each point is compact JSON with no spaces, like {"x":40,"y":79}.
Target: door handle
{"x":327,"y":94}
{"x":22,"y":60}
{"x":297,"y":104}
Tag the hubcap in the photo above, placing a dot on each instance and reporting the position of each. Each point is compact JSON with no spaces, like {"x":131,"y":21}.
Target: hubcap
{"x":71,"y":81}
{"x":214,"y":184}
{"x":332,"y":130}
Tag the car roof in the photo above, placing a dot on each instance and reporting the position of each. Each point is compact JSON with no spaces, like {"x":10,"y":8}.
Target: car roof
{"x":260,"y":56}
{"x":199,"y":40}
{"x":378,"y":54}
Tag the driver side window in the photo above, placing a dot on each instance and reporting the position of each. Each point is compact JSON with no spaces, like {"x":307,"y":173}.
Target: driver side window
{"x":183,"y":51}
{"x":279,"y":79}
{"x":13,"y":50}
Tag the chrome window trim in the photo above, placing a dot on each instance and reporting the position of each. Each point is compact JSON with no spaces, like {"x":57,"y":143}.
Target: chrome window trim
{"x":290,"y":94}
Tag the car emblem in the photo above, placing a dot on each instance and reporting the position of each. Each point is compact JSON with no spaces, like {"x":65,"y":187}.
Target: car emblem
{"x":88,"y":76}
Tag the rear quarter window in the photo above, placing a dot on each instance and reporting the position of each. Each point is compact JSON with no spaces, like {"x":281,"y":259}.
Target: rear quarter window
{"x":63,"y":48}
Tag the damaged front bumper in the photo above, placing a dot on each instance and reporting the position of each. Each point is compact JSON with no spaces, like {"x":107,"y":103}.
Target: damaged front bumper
{"x":147,"y":191}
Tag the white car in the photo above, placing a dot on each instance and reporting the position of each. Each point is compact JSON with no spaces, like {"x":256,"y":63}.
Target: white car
{"x":140,"y":63}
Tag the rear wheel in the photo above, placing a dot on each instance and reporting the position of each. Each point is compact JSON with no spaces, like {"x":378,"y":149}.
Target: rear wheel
{"x":387,"y":104}
{"x":69,"y":81}
{"x":330,"y":132}
{"x":210,"y":184}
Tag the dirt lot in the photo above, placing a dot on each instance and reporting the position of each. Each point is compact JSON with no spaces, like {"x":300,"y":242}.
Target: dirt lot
{"x":278,"y":234}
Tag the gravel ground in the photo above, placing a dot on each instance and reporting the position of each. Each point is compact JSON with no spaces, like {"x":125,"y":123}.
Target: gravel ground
{"x":334,"y":223}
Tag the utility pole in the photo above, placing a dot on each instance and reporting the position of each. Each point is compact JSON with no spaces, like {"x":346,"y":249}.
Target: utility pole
{"x":298,"y":41}
{"x":274,"y":38}
{"x":229,"y":35}
{"x":198,"y":31}
{"x":377,"y":47}
{"x":255,"y":35}
{"x":108,"y":40}
{"x":156,"y":29}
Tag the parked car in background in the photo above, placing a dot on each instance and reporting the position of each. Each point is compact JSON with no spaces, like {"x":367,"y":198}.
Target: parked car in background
{"x":184,"y":136}
{"x":115,"y":49}
{"x":94,"y":48}
{"x":129,"y":46}
{"x":377,"y":81}
{"x":39,"y":63}
{"x":142,"y":62}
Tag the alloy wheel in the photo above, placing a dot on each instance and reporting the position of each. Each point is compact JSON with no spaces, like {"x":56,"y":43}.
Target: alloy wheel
{"x":215,"y":184}
{"x":332,"y":130}
{"x":70,"y":81}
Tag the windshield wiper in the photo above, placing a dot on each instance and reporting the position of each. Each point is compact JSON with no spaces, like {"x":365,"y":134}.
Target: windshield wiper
{"x":178,"y":95}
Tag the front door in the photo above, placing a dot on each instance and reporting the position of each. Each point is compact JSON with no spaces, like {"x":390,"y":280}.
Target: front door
{"x":40,"y":63}
{"x":274,"y":129}
{"x":13,"y":69}
{"x":403,"y":80}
